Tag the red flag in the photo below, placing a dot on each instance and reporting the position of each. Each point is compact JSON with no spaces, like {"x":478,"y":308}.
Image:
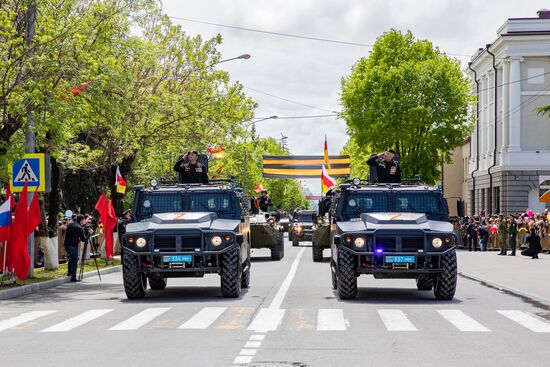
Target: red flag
{"x":10,"y":196}
{"x":33,"y":218}
{"x":109,"y":221}
{"x":18,"y":252}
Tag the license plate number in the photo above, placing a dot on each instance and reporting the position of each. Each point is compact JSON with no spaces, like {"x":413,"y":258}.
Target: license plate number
{"x":178,"y":259}
{"x":400,"y":259}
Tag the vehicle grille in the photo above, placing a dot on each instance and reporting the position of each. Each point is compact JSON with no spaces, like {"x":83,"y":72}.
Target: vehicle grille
{"x":165,"y":243}
{"x":190,"y":243}
{"x":389,"y":244}
{"x":386,"y":243}
{"x":170,"y":243}
{"x":412,"y":243}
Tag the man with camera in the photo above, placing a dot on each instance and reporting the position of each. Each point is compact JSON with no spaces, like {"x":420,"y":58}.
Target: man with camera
{"x":190,"y":170}
{"x":74,"y":235}
{"x":385,"y":167}
{"x":265,"y":202}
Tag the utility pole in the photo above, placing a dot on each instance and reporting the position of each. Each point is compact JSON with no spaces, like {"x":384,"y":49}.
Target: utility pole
{"x":29,"y":128}
{"x":244,"y":173}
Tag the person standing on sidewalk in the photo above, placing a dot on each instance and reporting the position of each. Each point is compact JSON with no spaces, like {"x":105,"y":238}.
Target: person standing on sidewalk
{"x":471,"y":234}
{"x":75,"y":234}
{"x":512,"y":235}
{"x":533,"y":241}
{"x":483,"y":235}
{"x":502,"y":235}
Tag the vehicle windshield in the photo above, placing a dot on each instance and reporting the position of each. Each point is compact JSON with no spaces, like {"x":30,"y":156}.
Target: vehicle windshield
{"x":166,"y":202}
{"x":365,"y":202}
{"x":304,"y":217}
{"x":417,"y":203}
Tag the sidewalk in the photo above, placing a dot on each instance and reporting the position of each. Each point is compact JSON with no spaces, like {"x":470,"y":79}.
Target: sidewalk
{"x":519,"y":275}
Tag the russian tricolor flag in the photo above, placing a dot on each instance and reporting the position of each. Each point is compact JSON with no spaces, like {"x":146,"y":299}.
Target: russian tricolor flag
{"x":5,"y":221}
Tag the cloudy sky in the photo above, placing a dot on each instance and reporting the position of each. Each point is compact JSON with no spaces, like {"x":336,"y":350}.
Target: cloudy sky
{"x":308,"y":72}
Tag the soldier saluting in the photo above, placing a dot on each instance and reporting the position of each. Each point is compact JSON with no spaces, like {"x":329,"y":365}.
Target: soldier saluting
{"x":190,"y":170}
{"x":385,"y":167}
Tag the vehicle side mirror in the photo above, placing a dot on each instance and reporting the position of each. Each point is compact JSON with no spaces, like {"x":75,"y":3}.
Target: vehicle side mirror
{"x":460,"y":208}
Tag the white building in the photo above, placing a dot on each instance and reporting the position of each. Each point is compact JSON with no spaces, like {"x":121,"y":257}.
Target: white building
{"x":510,"y":151}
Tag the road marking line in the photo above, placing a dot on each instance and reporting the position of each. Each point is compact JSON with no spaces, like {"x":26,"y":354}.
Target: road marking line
{"x":268,"y":319}
{"x":462,"y":321}
{"x":396,"y":320}
{"x":257,"y":337}
{"x":527,"y":320}
{"x":248,"y":352}
{"x":77,"y":321}
{"x":252,"y":344}
{"x":23,"y":318}
{"x":142,"y":318}
{"x":204,"y":318}
{"x":331,"y":320}
{"x":243,"y":359}
{"x":281,"y":293}
{"x":236,"y":318}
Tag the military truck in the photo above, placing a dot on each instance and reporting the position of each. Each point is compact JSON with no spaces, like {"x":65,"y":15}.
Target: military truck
{"x":186,"y":230}
{"x":301,"y":228}
{"x":321,"y":238}
{"x":392,"y":231}
{"x":266,"y":233}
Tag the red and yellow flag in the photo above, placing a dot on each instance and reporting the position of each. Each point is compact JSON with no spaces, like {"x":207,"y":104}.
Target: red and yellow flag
{"x":326,"y":181}
{"x":327,"y":162}
{"x":120,"y":183}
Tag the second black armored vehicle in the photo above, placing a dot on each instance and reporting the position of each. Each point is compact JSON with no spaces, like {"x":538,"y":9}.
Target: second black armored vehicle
{"x":301,"y":228}
{"x":392,"y":231}
{"x":186,"y":230}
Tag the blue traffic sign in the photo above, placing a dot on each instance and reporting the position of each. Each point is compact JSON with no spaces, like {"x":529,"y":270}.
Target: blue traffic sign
{"x":30,"y":168}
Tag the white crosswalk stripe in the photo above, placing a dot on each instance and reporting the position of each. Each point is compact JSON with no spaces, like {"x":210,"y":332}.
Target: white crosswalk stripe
{"x":396,"y":320}
{"x":527,"y":320}
{"x":462,"y":321}
{"x":142,"y":318}
{"x":23,"y":318}
{"x":78,"y":320}
{"x":204,"y":318}
{"x":331,"y":320}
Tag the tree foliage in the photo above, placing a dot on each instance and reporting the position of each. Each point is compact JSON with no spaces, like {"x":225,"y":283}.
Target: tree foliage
{"x":409,"y":96}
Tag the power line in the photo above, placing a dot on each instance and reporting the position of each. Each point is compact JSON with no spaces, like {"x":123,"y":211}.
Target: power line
{"x":319,"y":39}
{"x":303,"y":117}
{"x":289,"y":100}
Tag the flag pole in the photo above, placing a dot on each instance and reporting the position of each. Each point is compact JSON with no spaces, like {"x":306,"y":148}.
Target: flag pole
{"x":4,"y":247}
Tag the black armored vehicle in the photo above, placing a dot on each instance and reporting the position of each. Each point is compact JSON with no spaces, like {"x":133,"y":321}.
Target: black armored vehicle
{"x":186,"y":230}
{"x":392,"y":231}
{"x":301,"y":228}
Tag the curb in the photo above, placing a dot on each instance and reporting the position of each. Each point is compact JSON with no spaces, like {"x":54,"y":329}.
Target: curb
{"x":526,"y":297}
{"x":35,"y":288}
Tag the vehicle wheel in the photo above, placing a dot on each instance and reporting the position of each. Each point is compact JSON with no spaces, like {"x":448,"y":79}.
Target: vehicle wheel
{"x":135,"y":283}
{"x":231,"y":273}
{"x":278,"y":252}
{"x":289,"y":235}
{"x":157,"y":283}
{"x":347,"y":277}
{"x":295,"y":242}
{"x":333,"y":275}
{"x":245,"y":280}
{"x":424,"y":283}
{"x":445,"y":282}
{"x":317,"y":253}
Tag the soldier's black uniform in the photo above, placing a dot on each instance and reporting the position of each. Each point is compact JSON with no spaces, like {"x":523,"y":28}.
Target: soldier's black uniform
{"x":191,"y":173}
{"x":383,"y":169}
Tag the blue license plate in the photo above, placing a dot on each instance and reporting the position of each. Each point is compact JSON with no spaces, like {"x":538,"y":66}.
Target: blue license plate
{"x":178,"y":259}
{"x":400,"y":259}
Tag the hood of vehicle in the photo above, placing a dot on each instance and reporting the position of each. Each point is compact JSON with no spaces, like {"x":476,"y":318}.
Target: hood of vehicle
{"x":184,"y":220}
{"x":394,"y":221}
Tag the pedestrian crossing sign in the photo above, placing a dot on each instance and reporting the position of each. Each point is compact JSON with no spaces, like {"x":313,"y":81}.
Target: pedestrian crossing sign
{"x":30,"y":168}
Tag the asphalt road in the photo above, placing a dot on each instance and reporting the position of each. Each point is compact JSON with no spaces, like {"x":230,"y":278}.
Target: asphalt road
{"x":289,"y":316}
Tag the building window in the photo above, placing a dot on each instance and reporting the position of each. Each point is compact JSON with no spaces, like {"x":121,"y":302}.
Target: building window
{"x":496,"y":199}
{"x":472,"y":203}
{"x":482,"y":203}
{"x":489,"y":202}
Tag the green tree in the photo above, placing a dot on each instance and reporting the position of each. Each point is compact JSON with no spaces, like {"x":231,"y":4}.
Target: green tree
{"x":410,"y":96}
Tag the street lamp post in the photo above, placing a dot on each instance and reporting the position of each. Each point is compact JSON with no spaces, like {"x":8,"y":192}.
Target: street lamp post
{"x":243,"y":56}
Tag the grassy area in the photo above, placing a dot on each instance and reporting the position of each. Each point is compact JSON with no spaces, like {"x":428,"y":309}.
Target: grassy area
{"x":41,"y":275}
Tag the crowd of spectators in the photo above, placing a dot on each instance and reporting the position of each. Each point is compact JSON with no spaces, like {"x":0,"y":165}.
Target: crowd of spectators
{"x":528,"y":231}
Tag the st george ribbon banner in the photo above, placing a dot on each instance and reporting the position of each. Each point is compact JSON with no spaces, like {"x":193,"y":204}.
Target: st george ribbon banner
{"x":304,"y":166}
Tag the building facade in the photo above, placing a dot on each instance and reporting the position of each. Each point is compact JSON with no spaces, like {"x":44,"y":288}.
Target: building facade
{"x":510,"y":146}
{"x":455,"y":179}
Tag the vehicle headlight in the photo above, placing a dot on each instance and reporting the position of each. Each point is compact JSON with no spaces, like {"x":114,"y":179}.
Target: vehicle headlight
{"x":320,"y":221}
{"x":271,"y":221}
{"x":298,"y":228}
{"x":359,"y":242}
{"x":216,"y":241}
{"x":437,"y":243}
{"x":141,"y":242}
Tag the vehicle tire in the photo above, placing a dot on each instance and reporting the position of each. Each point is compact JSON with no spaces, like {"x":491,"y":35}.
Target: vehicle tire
{"x":289,"y":235}
{"x":157,"y":283}
{"x":278,"y":251}
{"x":445,"y":282}
{"x":425,"y":283}
{"x":333,"y":274}
{"x":295,"y":242}
{"x":135,"y":283}
{"x":231,"y":273}
{"x":317,"y":253}
{"x":245,"y":279}
{"x":347,"y":276}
